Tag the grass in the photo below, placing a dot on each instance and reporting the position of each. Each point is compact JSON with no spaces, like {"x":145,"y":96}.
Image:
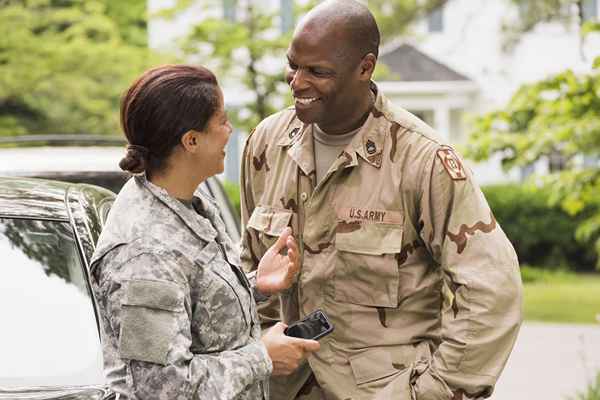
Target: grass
{"x":561,"y":297}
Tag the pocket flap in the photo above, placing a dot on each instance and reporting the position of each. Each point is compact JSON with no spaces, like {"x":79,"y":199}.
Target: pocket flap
{"x":269,"y":220}
{"x":374,"y":239}
{"x":161,"y":295}
{"x":372,"y":365}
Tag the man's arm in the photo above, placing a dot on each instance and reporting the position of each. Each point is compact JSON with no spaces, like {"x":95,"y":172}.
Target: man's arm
{"x":482,"y":284}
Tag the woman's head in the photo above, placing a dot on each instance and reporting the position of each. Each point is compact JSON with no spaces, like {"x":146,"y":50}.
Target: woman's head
{"x":160,"y":107}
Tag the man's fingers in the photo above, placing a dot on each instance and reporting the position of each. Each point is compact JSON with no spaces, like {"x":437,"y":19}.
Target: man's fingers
{"x":281,"y":242}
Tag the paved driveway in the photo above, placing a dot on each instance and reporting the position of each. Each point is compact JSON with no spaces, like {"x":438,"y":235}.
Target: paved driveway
{"x":550,"y":362}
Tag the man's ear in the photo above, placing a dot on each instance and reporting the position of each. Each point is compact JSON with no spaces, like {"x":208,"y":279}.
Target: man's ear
{"x":367,"y":66}
{"x":190,"y":141}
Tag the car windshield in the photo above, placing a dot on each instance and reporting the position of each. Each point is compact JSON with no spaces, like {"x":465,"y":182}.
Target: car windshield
{"x":49,"y":335}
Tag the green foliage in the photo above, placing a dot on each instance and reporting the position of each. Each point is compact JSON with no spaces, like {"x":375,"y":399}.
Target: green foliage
{"x":244,"y":51}
{"x":64,"y":64}
{"x":542,"y":234}
{"x":533,"y":12}
{"x":233,"y":193}
{"x":592,"y":392}
{"x":556,"y":118}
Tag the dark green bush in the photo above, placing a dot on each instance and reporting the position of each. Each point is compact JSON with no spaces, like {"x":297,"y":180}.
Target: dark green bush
{"x":542,"y":235}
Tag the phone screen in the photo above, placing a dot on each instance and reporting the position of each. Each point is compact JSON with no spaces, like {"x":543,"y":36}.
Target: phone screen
{"x":314,"y":326}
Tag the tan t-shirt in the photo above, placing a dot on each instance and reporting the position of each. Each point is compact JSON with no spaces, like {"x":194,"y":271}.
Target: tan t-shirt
{"x":328,"y":148}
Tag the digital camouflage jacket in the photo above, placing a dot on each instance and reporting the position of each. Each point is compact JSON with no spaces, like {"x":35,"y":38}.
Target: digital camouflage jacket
{"x":178,"y":315}
{"x":399,"y":247}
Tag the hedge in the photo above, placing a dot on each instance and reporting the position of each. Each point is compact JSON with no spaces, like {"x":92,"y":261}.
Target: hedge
{"x":542,"y":235}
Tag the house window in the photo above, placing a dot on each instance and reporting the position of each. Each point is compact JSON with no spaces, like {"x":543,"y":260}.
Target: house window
{"x":229,"y":10}
{"x":435,"y":20}
{"x":589,"y":10}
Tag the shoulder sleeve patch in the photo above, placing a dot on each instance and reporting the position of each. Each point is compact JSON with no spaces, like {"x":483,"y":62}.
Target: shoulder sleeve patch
{"x":452,"y":163}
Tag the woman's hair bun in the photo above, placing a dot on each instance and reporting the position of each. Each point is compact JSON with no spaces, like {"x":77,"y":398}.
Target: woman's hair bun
{"x":134,"y":161}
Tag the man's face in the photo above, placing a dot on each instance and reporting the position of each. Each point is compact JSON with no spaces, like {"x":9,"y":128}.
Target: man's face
{"x":323,"y":82}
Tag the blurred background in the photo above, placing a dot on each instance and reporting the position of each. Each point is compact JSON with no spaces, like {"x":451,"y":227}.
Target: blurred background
{"x":513,"y":84}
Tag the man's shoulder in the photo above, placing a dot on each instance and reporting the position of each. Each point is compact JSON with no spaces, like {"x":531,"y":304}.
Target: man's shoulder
{"x":413,"y":127}
{"x":275,"y":126}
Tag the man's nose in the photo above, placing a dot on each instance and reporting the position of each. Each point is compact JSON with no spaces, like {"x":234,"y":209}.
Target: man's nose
{"x":297,"y":81}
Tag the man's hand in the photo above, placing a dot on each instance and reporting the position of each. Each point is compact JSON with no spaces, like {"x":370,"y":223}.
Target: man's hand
{"x":286,"y":352}
{"x":276,"y":272}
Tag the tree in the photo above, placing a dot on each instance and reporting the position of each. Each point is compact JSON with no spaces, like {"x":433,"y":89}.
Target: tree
{"x":557,"y":118}
{"x":65,"y":63}
{"x":251,"y":48}
{"x":533,"y":12}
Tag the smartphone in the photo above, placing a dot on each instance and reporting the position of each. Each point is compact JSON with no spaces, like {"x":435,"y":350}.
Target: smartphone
{"x":314,"y":326}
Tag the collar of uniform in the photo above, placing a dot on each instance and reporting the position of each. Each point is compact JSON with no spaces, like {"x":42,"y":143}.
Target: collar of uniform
{"x":195,"y":222}
{"x":293,"y":132}
{"x":302,"y":148}
{"x":368,"y":142}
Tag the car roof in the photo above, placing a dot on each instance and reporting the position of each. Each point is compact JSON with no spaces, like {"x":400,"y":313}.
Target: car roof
{"x":40,"y":198}
{"x":22,"y":160}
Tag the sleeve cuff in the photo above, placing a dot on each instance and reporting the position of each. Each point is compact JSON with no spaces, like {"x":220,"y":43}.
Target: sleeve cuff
{"x":264,"y":367}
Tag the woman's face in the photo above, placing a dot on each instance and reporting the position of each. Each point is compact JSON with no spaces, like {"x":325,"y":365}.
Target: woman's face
{"x":214,"y":138}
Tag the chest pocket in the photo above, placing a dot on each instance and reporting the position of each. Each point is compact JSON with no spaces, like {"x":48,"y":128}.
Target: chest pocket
{"x":367,"y":268}
{"x":269,"y":223}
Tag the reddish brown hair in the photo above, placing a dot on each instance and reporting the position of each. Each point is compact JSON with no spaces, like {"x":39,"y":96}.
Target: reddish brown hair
{"x":160,"y":107}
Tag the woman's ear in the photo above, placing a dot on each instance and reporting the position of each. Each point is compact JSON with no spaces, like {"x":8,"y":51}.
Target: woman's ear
{"x":190,"y":141}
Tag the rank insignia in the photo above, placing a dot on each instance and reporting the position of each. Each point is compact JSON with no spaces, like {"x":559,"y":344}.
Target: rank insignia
{"x":452,"y":163}
{"x":371,"y":147}
{"x":294,"y":132}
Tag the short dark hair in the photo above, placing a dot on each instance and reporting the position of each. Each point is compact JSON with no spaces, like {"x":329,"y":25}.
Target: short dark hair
{"x":162,"y":105}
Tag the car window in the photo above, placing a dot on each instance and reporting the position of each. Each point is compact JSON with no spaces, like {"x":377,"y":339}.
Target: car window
{"x":49,"y":334}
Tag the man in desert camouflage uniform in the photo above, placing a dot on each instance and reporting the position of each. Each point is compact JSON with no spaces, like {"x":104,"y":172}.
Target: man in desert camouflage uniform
{"x":398,"y":244}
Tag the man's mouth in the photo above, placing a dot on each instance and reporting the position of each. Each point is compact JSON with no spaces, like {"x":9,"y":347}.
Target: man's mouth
{"x":306,"y":100}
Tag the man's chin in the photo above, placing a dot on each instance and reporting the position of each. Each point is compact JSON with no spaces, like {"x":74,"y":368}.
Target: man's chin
{"x":306,"y":116}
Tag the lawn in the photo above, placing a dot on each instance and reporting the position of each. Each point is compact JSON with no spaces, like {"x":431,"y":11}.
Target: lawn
{"x":561,"y":297}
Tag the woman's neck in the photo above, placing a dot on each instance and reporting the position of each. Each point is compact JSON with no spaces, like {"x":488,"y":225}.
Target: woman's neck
{"x":178,"y":182}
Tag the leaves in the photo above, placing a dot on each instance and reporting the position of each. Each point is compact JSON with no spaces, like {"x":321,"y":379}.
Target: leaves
{"x":64,"y":65}
{"x":555,"y":119}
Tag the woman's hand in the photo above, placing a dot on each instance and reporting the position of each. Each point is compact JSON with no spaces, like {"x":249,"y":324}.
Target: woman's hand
{"x":276,"y":272}
{"x":286,"y":353}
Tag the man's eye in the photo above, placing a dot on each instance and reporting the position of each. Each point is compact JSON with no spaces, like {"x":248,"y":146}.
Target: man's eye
{"x":292,"y":66}
{"x":319,"y":72}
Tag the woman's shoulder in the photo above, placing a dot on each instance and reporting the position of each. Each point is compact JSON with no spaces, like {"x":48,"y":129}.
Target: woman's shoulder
{"x":142,"y":260}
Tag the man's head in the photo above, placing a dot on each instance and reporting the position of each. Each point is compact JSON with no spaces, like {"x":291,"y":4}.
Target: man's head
{"x":331,"y":60}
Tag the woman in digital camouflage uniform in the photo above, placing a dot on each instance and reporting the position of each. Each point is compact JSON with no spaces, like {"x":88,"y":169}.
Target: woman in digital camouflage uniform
{"x":178,"y":315}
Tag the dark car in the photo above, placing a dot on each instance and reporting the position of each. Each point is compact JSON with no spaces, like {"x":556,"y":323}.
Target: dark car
{"x":49,"y":342}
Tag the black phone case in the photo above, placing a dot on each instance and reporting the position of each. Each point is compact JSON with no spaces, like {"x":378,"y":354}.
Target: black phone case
{"x":314,"y":326}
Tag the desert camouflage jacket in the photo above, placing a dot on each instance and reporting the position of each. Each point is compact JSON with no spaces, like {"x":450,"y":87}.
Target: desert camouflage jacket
{"x":399,"y":248}
{"x":178,"y":315}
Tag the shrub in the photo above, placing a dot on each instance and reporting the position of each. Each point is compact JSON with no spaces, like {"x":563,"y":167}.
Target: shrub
{"x":542,"y":235}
